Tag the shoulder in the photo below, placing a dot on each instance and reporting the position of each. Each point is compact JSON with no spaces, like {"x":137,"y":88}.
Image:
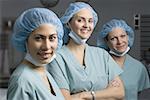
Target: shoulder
{"x":133,"y":60}
{"x":21,"y":77}
{"x":97,"y":51}
{"x":137,"y":64}
{"x":62,"y":50}
{"x":20,"y":84}
{"x":63,"y":54}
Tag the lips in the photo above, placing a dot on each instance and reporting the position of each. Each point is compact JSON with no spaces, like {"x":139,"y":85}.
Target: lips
{"x":84,"y":30}
{"x":45,"y":55}
{"x":121,"y":47}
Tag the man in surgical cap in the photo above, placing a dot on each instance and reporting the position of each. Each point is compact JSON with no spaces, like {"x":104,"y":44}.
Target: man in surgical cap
{"x":38,"y":32}
{"x":84,"y":72}
{"x":117,"y":38}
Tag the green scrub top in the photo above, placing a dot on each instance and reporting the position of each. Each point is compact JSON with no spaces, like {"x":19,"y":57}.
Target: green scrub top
{"x":135,"y":78}
{"x":97,"y":73}
{"x":27,"y":84}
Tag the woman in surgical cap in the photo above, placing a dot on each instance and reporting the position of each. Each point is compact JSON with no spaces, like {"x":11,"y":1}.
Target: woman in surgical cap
{"x":117,"y":38}
{"x":38,"y":32}
{"x":84,"y":72}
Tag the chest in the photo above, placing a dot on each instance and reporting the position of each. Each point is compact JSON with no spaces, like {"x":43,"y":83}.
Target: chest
{"x":45,"y":89}
{"x":92,"y":77}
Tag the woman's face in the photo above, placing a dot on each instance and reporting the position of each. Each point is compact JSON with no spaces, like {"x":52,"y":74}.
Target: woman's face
{"x":117,"y":39}
{"x":82,"y":23}
{"x":42,"y":43}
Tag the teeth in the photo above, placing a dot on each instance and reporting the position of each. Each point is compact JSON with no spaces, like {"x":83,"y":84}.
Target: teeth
{"x":45,"y":56}
{"x":85,"y":31}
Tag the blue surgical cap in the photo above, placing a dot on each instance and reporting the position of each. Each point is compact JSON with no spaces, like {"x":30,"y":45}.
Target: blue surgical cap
{"x":108,"y":28}
{"x":75,"y":8}
{"x":71,"y":11}
{"x":30,"y":20}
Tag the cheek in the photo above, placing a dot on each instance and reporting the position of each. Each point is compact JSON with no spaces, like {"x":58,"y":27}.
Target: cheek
{"x":54,"y":45}
{"x":33,"y":48}
{"x":74,"y":25}
{"x":111,"y":45}
{"x":77,"y":27}
{"x":92,"y":26}
{"x":127,"y":39}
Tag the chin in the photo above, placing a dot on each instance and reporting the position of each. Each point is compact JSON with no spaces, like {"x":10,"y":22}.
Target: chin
{"x":86,"y":37}
{"x":121,"y":51}
{"x":45,"y":61}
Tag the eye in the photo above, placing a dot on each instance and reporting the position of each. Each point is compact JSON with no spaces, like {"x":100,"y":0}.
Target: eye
{"x":112,"y":39}
{"x":79,"y":20}
{"x":123,"y":36}
{"x":38,"y":38}
{"x":53,"y":37}
{"x":91,"y":21}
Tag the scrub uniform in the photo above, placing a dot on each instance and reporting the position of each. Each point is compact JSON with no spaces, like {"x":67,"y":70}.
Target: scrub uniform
{"x":27,"y":84}
{"x":98,"y":71}
{"x":135,"y":78}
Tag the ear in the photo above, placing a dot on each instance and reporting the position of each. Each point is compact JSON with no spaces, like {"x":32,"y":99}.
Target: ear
{"x":127,"y":36}
{"x":128,"y":39}
{"x":105,"y":39}
{"x":27,"y":46}
{"x":68,"y":25}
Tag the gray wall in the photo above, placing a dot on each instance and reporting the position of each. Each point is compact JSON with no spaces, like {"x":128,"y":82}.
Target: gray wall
{"x":125,"y":9}
{"x":106,"y":10}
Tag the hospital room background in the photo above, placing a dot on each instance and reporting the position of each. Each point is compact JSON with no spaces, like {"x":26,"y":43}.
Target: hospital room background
{"x":135,"y":12}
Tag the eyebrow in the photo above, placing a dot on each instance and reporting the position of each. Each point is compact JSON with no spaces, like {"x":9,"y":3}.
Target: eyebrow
{"x":38,"y":34}
{"x":84,"y":17}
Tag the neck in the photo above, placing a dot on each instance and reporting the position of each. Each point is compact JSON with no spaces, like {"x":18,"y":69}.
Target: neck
{"x":119,"y":60}
{"x":39,"y":69}
{"x":78,"y":50}
{"x":74,"y":46}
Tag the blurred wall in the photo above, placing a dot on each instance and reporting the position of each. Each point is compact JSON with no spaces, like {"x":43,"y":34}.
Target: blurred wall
{"x":125,"y":9}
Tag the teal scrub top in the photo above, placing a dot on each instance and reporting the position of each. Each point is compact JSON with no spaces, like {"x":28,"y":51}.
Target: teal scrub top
{"x":135,"y":78}
{"x":27,"y":84}
{"x":97,"y":73}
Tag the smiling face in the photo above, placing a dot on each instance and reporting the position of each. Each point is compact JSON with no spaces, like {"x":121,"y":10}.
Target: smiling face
{"x":117,"y":40}
{"x":42,"y":43}
{"x":82,"y":23}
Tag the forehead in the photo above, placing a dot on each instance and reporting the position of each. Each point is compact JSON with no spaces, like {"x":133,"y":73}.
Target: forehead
{"x":85,"y":13}
{"x":45,"y":29}
{"x":117,"y":31}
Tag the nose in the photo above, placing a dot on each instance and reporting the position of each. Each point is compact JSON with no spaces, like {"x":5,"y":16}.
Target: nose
{"x":86,"y":24}
{"x":46,"y":45}
{"x":119,"y":40}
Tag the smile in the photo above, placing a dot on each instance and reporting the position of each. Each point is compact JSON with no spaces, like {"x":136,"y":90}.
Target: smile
{"x":44,"y":55}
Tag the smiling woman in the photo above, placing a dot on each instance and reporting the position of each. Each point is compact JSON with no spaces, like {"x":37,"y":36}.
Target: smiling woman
{"x":38,"y":32}
{"x":77,"y":62}
{"x":42,"y":43}
{"x":118,"y":38}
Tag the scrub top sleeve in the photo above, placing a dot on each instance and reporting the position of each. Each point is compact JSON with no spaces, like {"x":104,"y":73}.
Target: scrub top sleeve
{"x":58,"y":71}
{"x":113,"y":68}
{"x":18,"y":92}
{"x":144,"y":81}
